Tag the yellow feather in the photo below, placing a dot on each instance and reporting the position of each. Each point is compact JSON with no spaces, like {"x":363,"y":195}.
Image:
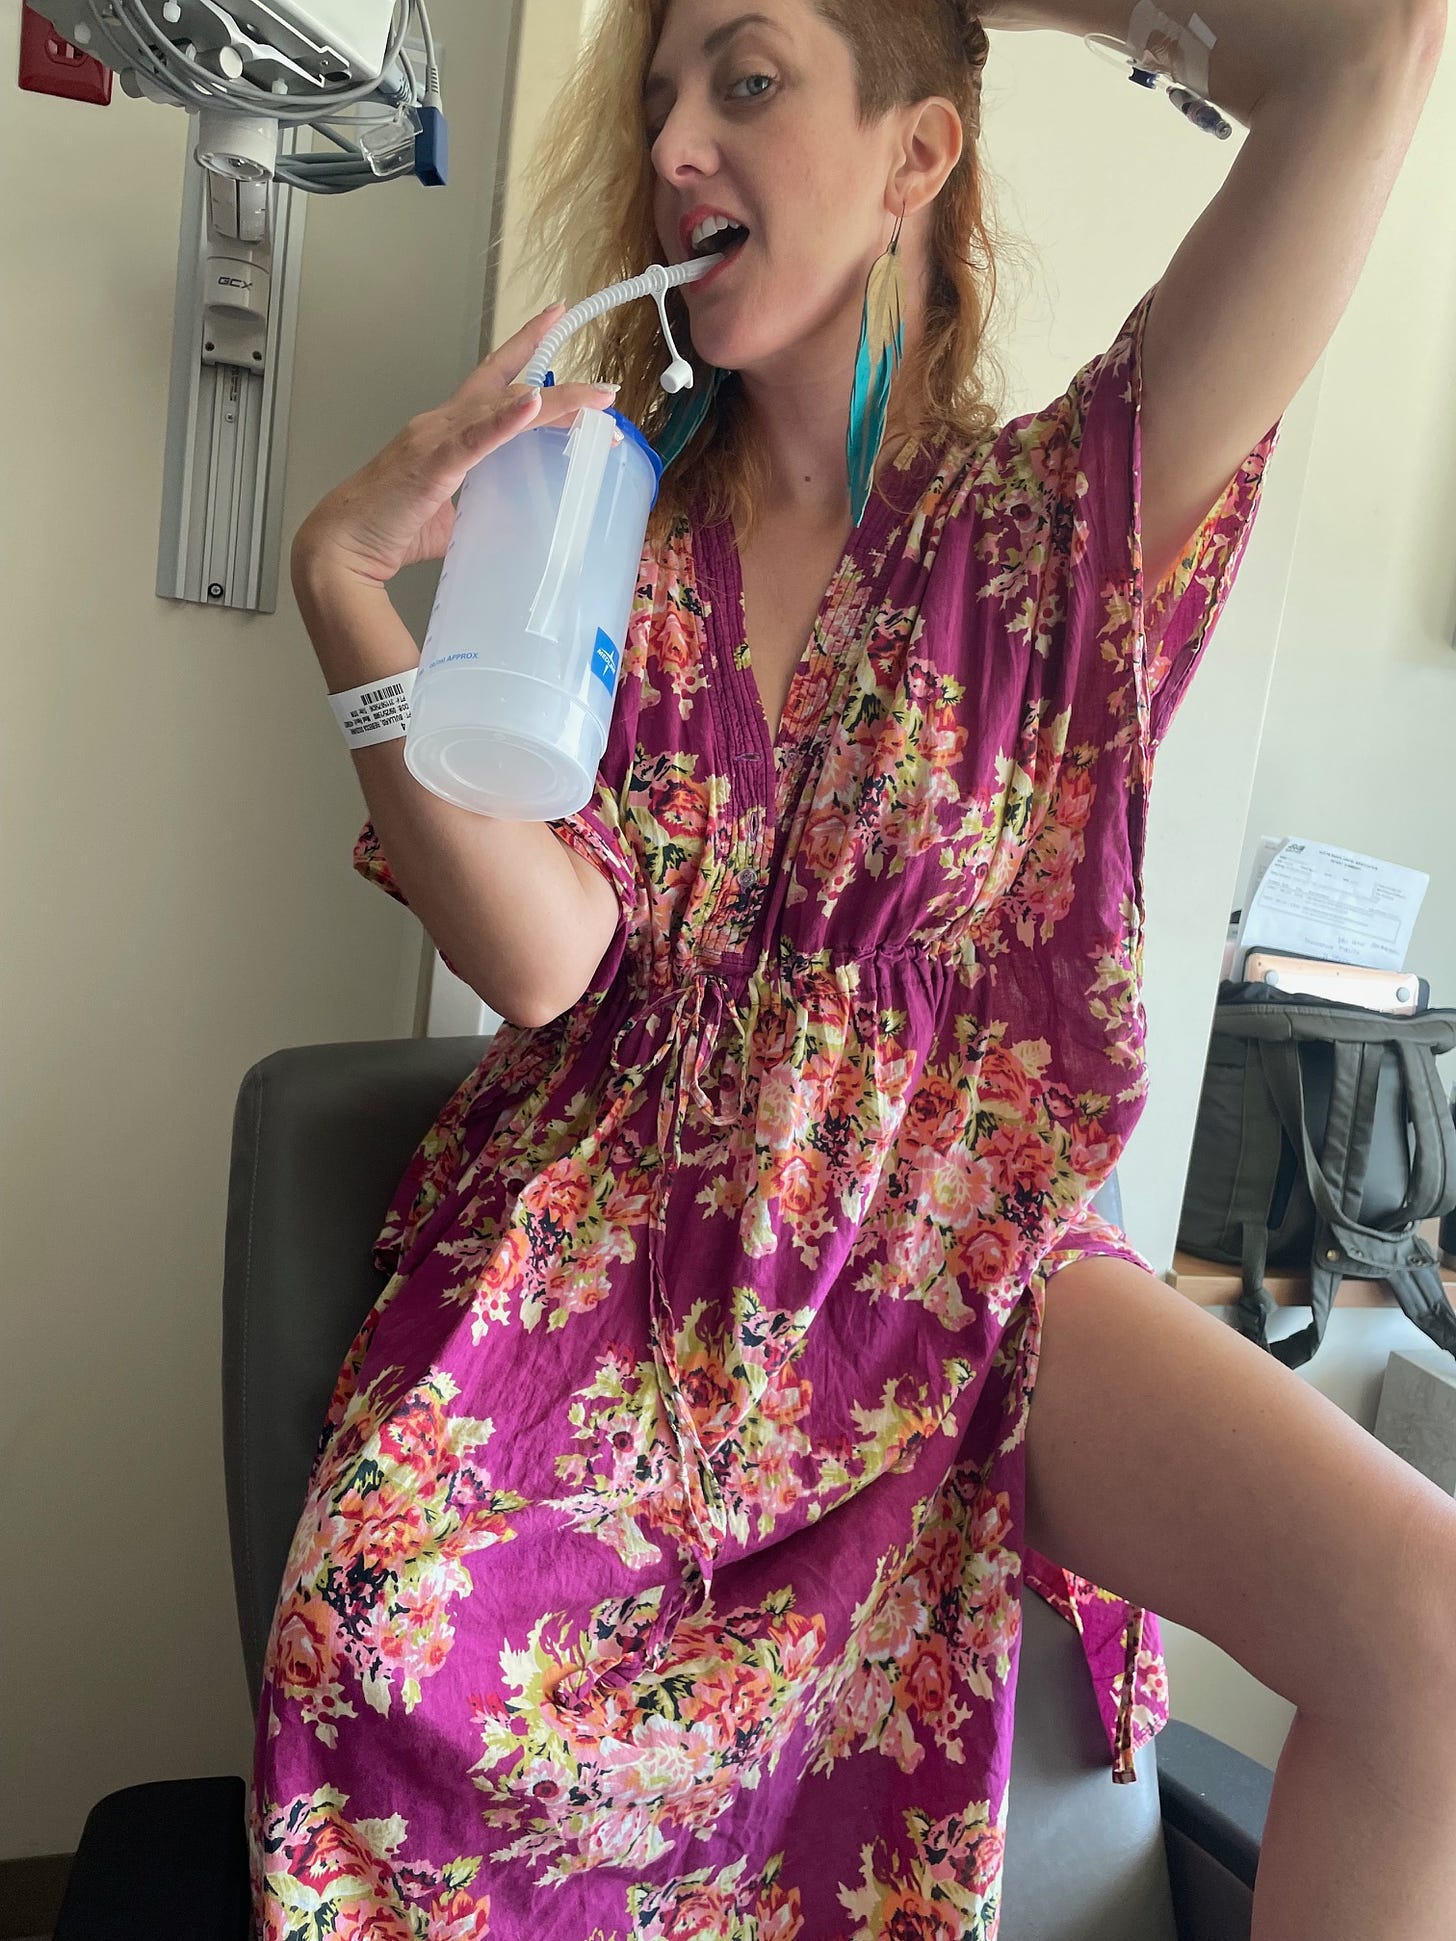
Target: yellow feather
{"x":885,"y":304}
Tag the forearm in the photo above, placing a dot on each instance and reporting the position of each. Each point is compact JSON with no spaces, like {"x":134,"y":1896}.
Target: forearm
{"x":522,"y":919}
{"x":1261,"y":48}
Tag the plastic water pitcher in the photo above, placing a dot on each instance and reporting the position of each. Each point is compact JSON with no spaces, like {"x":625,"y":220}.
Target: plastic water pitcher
{"x":513,"y":700}
{"x":514,"y":696}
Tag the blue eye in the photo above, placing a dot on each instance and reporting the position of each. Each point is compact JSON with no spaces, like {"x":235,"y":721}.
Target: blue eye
{"x":753,"y":77}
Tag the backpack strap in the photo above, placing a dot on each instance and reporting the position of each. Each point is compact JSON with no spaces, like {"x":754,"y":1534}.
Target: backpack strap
{"x":1284,"y":1077}
{"x":1344,"y":1245}
{"x":1248,"y":1214}
{"x":1433,"y":1172}
{"x":1350,"y":1124}
{"x":1422,"y":1295}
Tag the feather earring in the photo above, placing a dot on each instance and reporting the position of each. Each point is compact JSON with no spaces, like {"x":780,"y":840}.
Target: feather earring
{"x":881,"y":348}
{"x":687,"y":417}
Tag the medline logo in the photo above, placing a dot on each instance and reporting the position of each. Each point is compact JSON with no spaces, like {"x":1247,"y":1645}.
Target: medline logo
{"x":606,"y":660}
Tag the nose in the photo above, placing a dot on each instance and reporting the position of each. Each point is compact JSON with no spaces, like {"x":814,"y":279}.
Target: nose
{"x":684,"y":150}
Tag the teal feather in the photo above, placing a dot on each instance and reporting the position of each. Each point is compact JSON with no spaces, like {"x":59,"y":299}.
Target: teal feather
{"x":881,"y":350}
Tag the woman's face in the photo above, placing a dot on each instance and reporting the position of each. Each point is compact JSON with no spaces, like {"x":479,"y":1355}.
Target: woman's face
{"x":751,"y":109}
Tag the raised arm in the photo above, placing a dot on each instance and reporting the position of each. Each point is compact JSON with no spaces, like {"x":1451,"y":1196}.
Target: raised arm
{"x":1331,"y":92}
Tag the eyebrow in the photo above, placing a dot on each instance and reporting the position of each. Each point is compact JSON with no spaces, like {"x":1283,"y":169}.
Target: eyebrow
{"x":715,"y":42}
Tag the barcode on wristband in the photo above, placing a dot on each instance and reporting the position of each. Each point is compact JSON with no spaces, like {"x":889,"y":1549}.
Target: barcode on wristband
{"x":379,"y":712}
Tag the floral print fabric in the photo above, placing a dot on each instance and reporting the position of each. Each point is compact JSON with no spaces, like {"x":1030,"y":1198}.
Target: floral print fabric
{"x":660,"y":1572}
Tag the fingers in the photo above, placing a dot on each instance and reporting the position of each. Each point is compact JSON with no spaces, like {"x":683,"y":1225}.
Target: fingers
{"x":504,"y":366}
{"x":516,"y":353}
{"x":384,"y":512}
{"x":555,"y":407}
{"x":561,"y":402}
{"x":489,"y":406}
{"x":464,"y":438}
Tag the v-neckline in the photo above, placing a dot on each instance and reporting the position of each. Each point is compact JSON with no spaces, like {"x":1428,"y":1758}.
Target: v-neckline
{"x":721,"y":563}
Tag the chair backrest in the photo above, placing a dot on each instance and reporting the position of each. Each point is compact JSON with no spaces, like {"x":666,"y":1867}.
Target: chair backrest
{"x":320,"y":1139}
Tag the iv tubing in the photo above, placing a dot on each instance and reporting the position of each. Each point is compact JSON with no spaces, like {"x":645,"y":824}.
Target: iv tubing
{"x":654,"y":282}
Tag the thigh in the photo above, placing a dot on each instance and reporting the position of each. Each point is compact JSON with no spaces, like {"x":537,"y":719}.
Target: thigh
{"x":1175,"y":1464}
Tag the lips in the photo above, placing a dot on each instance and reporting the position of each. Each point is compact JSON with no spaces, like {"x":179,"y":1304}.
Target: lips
{"x":718,"y":271}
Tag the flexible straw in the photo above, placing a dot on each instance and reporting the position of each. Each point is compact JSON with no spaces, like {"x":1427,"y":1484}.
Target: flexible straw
{"x":654,"y":282}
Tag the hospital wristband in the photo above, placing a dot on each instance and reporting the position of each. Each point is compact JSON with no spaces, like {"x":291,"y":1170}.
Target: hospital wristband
{"x":377,"y":712}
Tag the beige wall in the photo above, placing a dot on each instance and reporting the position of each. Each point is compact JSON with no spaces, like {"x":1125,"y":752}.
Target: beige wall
{"x":550,"y":35}
{"x":1360,"y":744}
{"x":177,"y":813}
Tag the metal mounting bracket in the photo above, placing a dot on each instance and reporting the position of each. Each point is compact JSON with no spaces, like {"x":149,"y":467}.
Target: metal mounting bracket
{"x":238,"y":270}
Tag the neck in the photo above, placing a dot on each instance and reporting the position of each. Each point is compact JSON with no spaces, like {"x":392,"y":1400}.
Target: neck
{"x":800,"y":415}
{"x":801,"y":426}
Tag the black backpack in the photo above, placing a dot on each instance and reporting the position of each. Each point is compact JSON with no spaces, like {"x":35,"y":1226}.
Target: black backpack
{"x":1324,"y":1140}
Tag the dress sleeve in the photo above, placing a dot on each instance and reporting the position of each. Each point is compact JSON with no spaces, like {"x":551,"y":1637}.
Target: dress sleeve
{"x":373,"y":865}
{"x":600,"y":833}
{"x":1164,"y":629}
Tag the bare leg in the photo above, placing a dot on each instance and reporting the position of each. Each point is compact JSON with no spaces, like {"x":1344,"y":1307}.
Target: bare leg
{"x":1175,"y":1464}
{"x":1361,"y":1839}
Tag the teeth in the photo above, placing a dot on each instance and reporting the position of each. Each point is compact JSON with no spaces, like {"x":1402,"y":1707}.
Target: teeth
{"x":709,"y":227}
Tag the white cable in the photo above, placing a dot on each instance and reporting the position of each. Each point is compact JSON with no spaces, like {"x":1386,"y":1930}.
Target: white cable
{"x":186,"y":77}
{"x":654,"y":282}
{"x":1107,"y":48}
{"x":432,"y":72}
{"x":179,"y":75}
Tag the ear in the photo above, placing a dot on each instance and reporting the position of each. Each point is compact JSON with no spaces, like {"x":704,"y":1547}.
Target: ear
{"x":932,"y":143}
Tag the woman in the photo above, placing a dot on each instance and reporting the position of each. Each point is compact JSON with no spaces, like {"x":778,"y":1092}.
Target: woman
{"x":660,"y":1573}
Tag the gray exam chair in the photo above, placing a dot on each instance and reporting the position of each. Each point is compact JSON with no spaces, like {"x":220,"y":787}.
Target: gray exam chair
{"x":320,"y":1139}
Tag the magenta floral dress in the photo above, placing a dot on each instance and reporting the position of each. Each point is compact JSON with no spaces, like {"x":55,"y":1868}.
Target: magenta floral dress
{"x":661,"y":1568}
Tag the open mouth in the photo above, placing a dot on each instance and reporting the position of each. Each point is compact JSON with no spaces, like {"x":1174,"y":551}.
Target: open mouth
{"x":722,"y":242}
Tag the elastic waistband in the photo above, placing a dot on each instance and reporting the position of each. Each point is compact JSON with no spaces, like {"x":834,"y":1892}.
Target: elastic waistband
{"x":797,"y":971}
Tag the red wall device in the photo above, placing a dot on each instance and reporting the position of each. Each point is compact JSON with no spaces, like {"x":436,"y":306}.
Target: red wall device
{"x":50,"y":65}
